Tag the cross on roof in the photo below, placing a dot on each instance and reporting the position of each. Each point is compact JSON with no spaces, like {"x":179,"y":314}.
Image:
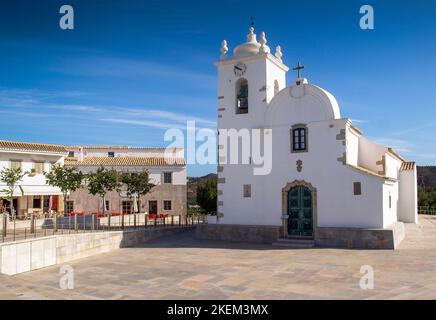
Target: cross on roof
{"x":298,"y":68}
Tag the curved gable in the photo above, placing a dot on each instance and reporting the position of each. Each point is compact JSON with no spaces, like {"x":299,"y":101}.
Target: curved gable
{"x":302,"y":104}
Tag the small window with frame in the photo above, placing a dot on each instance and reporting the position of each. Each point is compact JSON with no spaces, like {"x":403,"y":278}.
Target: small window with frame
{"x":357,"y":188}
{"x":111,"y":154}
{"x":38,"y":167}
{"x":126,"y":207}
{"x":70,"y":206}
{"x":299,"y":138}
{"x":168,"y":177}
{"x":167,"y":205}
{"x":37,"y":202}
{"x":15,"y":164}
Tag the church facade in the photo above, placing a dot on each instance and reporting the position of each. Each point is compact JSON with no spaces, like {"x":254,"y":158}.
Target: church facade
{"x":328,"y":183}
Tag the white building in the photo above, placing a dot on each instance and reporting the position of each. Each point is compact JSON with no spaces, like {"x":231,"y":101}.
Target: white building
{"x":327,"y":183}
{"x":32,"y":196}
{"x":166,"y":167}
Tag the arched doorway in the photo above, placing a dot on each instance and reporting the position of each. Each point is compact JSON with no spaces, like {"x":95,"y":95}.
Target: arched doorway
{"x":300,"y":212}
{"x":299,"y":209}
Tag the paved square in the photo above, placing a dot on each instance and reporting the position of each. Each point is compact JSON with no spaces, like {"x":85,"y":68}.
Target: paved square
{"x":181,"y":267}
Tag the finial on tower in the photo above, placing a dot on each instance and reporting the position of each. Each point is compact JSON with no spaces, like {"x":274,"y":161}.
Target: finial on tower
{"x":263,"y":47}
{"x":279,"y":53}
{"x":251,"y":36}
{"x":224,"y":49}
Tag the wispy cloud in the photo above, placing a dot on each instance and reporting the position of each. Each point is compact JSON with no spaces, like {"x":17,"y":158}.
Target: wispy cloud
{"x":359,"y":121}
{"x":77,"y":107}
{"x":101,"y":66}
{"x":173,"y":116}
{"x":424,"y":126}
{"x":36,"y":103}
{"x":28,"y":98}
{"x":145,"y":123}
{"x":400,"y":145}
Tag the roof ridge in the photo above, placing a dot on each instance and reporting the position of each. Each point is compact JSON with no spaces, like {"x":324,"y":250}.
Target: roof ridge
{"x":31,"y":146}
{"x":112,"y":147}
{"x":127,"y":161}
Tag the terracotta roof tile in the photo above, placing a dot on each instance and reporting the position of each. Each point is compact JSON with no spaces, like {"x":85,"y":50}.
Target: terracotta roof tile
{"x":97,"y":147}
{"x":114,"y":147}
{"x":30,"y":146}
{"x":405,"y":166}
{"x":126,"y":161}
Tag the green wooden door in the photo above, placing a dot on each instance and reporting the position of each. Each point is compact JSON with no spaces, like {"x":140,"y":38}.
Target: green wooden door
{"x":300,"y":222}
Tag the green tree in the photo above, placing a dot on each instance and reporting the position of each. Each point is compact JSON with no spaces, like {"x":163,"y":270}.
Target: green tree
{"x":67,"y":179}
{"x":137,"y":183}
{"x":207,"y":196}
{"x":103,"y":181}
{"x":11,"y":177}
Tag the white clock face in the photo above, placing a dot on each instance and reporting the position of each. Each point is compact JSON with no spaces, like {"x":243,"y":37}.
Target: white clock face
{"x":239,"y":69}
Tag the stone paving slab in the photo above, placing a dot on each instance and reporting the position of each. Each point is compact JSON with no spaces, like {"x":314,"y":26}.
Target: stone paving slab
{"x":180,"y":267}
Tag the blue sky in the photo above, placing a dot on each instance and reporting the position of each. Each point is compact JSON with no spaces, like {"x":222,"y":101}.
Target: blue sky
{"x":132,"y":69}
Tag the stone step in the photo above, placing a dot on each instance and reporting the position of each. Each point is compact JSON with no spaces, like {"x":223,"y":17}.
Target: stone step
{"x":294,"y":243}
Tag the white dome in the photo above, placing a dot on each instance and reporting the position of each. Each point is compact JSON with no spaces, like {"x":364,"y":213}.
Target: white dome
{"x":302,"y":104}
{"x":251,"y":47}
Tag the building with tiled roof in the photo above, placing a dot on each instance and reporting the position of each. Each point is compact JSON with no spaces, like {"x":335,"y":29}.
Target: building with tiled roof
{"x":33,"y":194}
{"x":167,"y":170}
{"x":166,"y":167}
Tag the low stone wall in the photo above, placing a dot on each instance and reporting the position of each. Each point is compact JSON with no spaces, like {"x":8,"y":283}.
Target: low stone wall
{"x":22,"y":256}
{"x":355,"y":238}
{"x":238,"y":233}
{"x":351,"y":238}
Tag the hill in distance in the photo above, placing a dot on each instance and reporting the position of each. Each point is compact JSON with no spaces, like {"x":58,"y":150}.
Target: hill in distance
{"x":193,"y":183}
{"x":427,"y":177}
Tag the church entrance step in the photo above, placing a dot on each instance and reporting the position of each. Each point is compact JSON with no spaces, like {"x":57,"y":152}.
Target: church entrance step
{"x":294,"y":243}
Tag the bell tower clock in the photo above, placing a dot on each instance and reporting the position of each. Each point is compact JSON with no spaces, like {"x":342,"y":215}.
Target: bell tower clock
{"x":239,"y":69}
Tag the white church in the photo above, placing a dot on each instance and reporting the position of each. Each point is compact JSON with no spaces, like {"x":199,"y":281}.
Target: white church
{"x":328,"y":185}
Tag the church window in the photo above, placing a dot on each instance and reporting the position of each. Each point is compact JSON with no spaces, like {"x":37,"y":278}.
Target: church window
{"x":276,"y":87}
{"x":299,"y":138}
{"x":357,"y":186}
{"x":390,"y":202}
{"x":242,"y":96}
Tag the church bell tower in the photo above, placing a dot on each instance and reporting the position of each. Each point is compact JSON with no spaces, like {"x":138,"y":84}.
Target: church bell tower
{"x":247,"y":81}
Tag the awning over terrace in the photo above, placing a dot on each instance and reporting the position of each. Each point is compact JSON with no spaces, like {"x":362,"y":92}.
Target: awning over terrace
{"x":40,"y":191}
